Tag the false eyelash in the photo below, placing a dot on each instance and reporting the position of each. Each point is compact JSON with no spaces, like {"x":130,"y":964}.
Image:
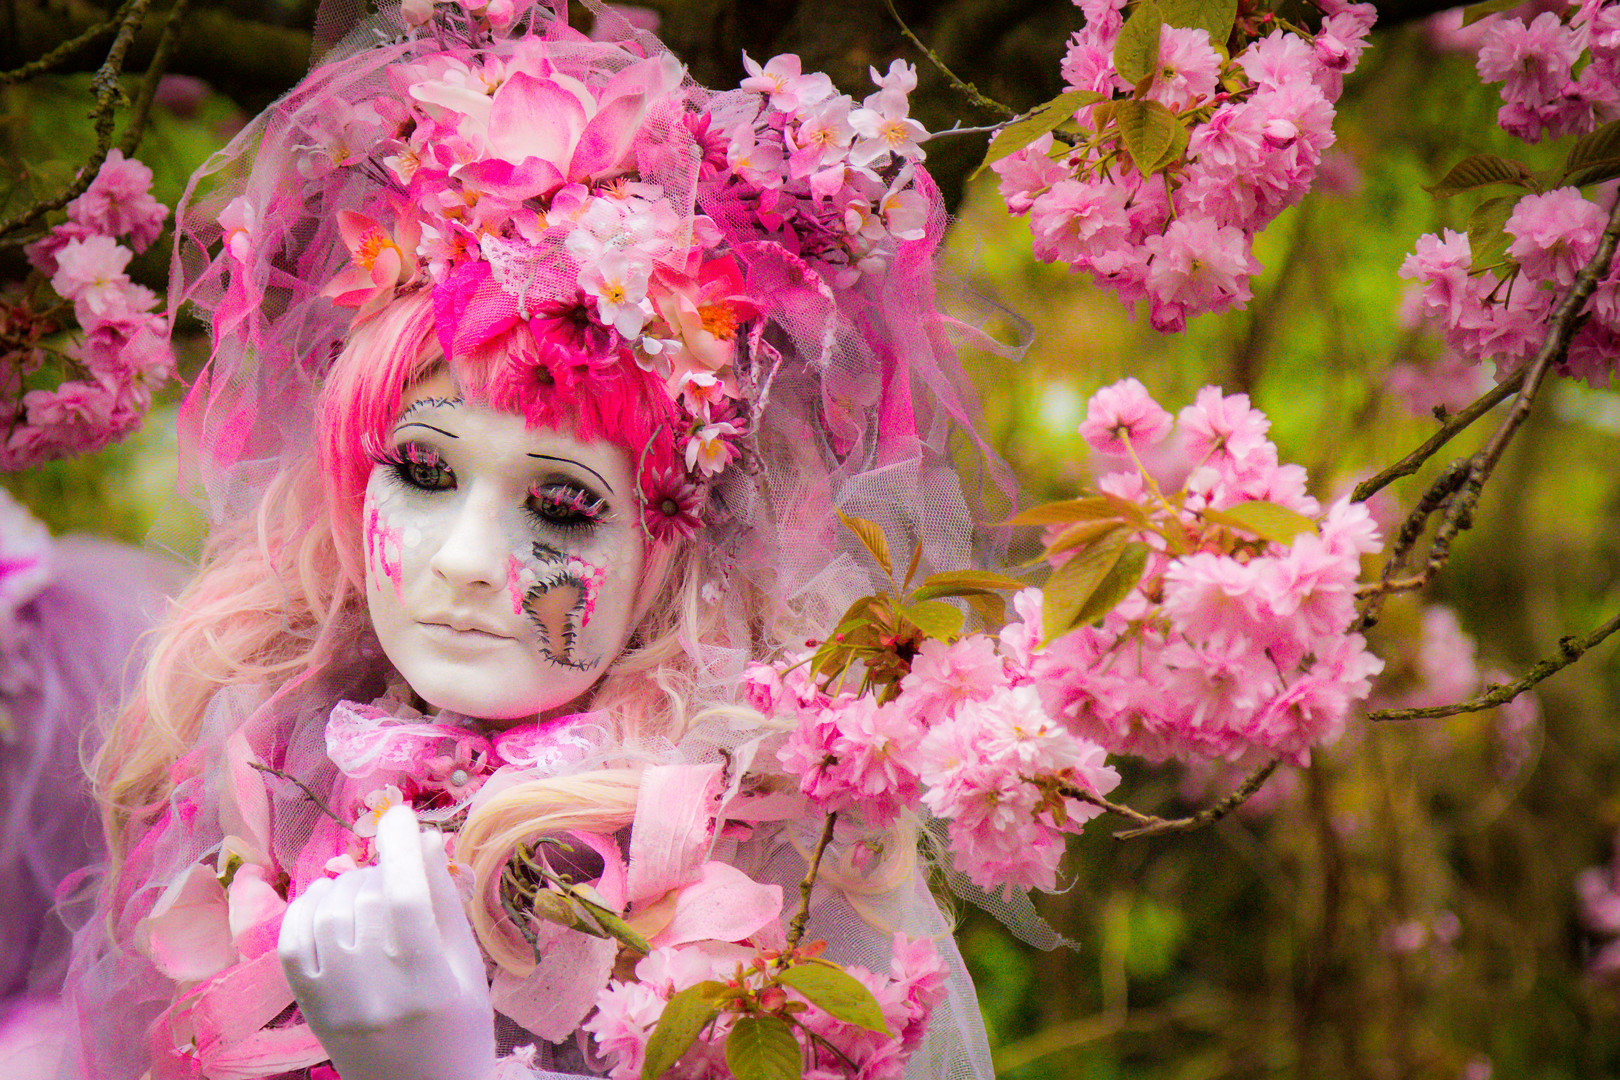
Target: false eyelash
{"x":401,"y":459}
{"x":578,"y":507}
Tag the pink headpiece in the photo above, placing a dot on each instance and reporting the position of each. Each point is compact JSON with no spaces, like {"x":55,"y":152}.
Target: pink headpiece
{"x":767,"y":254}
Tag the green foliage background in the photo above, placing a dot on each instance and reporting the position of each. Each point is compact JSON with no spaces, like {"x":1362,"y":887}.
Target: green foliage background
{"x":1260,"y":947}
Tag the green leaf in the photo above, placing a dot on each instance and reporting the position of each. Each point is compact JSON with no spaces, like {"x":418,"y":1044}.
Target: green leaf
{"x":1073,"y":583}
{"x":1115,"y":585}
{"x":990,"y":607}
{"x":1595,"y":173}
{"x":1035,"y":123}
{"x":1600,"y":145}
{"x":836,"y":993}
{"x":1079,"y":535}
{"x":1136,"y":51}
{"x":935,"y":619}
{"x":1065,"y":511}
{"x":1148,"y":130}
{"x":1475,"y":12}
{"x":870,"y":534}
{"x":678,"y":1025}
{"x":1266,"y":520}
{"x":911,"y":568}
{"x":763,"y":1048}
{"x":1214,"y":16}
{"x":1175,"y":151}
{"x":1482,"y":170}
{"x":1487,"y":235}
{"x":977,"y":580}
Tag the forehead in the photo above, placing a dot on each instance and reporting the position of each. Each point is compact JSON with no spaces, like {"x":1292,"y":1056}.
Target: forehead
{"x":436,"y":404}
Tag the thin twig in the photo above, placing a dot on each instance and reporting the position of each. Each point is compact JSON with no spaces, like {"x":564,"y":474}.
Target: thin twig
{"x":802,"y":916}
{"x":108,"y":93}
{"x":1448,"y":431}
{"x":1570,"y":649}
{"x":142,"y":112}
{"x":301,"y":786}
{"x":58,"y":55}
{"x":1150,"y":825}
{"x":958,"y":129}
{"x":964,"y":87}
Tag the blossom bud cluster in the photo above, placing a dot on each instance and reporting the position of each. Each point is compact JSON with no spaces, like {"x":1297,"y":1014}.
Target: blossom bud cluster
{"x":1180,"y":234}
{"x":1536,"y":61}
{"x":1500,"y":313}
{"x":627,"y":1013}
{"x":831,"y":180}
{"x":1231,"y":642}
{"x":123,"y":351}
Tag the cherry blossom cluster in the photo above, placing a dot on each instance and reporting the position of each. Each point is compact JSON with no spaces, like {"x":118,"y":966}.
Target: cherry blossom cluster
{"x":1500,"y":312}
{"x":829,"y":179}
{"x":122,"y":351}
{"x":627,"y":1012}
{"x":1236,"y":637}
{"x":1597,"y":888}
{"x":967,"y":738}
{"x":1536,"y":60}
{"x":1178,"y":234}
{"x":1231,"y":641}
{"x":1494,"y":303}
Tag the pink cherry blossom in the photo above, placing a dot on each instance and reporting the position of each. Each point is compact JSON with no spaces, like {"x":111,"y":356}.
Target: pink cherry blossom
{"x":1122,"y":410}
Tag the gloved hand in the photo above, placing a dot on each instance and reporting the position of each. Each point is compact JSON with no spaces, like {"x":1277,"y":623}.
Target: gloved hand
{"x":385,"y":967}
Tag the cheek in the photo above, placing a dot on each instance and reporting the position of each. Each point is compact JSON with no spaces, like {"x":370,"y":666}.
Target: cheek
{"x":384,"y":547}
{"x":562,"y":595}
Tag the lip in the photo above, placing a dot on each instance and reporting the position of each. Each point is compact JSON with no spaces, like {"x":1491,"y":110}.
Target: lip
{"x":462,"y":632}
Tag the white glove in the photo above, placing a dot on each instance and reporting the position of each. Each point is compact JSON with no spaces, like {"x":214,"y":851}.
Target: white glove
{"x":385,"y":967}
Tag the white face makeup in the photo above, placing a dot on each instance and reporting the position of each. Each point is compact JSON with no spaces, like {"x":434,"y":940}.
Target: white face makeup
{"x":502,"y":562}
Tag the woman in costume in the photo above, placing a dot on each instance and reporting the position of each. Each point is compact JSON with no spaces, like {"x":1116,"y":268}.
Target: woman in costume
{"x":539,"y":377}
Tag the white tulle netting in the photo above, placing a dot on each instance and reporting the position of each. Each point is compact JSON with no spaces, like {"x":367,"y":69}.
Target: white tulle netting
{"x":857,"y":404}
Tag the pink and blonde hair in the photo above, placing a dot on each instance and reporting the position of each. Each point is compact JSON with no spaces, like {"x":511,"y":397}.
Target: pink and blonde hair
{"x":281,"y":593}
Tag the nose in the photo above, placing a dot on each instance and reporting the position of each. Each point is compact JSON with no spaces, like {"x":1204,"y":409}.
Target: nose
{"x":471,"y":554}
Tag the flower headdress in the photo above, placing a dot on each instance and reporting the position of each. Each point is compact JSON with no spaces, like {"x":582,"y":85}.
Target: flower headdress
{"x":585,"y":197}
{"x":765,"y":254}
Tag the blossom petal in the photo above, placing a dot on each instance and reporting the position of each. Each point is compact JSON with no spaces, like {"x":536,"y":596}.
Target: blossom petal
{"x":533,"y":117}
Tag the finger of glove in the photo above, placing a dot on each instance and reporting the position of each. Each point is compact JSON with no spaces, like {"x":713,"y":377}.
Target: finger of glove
{"x":296,"y":943}
{"x":449,"y":914}
{"x":334,"y":922}
{"x":405,"y":880}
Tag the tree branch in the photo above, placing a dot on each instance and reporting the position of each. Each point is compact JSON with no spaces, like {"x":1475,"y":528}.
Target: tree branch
{"x":1151,"y":825}
{"x":108,"y":92}
{"x":1570,"y":649}
{"x":802,"y":916}
{"x":1448,"y":431}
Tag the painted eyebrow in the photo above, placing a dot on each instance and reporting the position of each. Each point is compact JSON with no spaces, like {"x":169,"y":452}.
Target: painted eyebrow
{"x":579,"y":465}
{"x":417,"y":423}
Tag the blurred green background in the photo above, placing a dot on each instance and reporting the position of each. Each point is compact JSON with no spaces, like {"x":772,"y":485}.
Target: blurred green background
{"x":1401,"y":908}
